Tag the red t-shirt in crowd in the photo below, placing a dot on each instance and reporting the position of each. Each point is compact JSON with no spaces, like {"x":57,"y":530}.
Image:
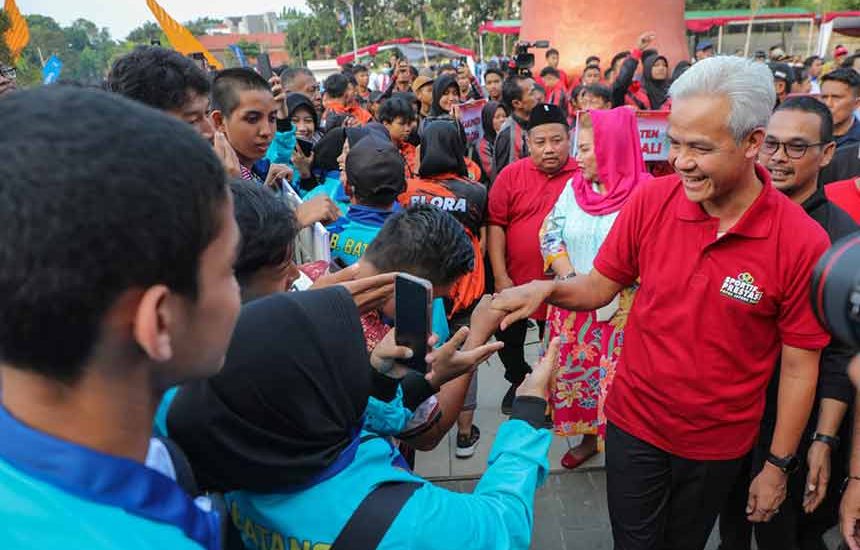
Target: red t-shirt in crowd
{"x":710,"y":317}
{"x":846,"y":196}
{"x":520,"y":199}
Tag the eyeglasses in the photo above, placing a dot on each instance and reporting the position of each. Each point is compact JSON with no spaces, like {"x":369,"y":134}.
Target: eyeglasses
{"x":792,"y":150}
{"x":9,"y":72}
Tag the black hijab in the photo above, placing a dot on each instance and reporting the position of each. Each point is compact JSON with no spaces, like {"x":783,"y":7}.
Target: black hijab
{"x":439,"y":86}
{"x":657,"y":90}
{"x":329,"y":148}
{"x":488,"y":113}
{"x":442,"y":149}
{"x":287,"y":402}
{"x":296,"y":101}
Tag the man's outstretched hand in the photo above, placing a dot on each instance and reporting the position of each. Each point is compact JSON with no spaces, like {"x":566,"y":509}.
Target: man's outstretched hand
{"x":521,"y":301}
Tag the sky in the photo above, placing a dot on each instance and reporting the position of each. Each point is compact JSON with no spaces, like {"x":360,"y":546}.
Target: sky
{"x":121,"y":16}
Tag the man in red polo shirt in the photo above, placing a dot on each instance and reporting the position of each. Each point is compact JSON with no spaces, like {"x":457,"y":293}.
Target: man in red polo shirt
{"x":724,"y":262}
{"x":520,"y":199}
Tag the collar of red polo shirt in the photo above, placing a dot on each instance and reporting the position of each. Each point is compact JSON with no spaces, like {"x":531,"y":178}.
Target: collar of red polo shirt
{"x":751,"y":224}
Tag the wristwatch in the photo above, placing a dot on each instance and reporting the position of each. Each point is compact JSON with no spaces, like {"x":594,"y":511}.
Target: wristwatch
{"x":788,"y":464}
{"x":831,"y":440}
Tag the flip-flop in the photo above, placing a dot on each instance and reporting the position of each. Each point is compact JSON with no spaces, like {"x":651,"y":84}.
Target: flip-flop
{"x":570,"y":462}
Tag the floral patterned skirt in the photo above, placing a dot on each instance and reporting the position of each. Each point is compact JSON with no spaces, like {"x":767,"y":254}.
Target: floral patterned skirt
{"x":589,"y":353}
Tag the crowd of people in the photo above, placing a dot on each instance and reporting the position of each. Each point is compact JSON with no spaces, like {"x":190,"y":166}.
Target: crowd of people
{"x":173,"y":374}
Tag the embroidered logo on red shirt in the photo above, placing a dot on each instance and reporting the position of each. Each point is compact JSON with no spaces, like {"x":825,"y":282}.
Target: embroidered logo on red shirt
{"x":742,"y":288}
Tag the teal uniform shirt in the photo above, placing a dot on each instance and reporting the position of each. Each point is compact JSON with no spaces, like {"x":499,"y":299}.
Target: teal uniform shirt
{"x":353,"y":233}
{"x":498,"y":515}
{"x":57,"y":494}
{"x":331,"y":187}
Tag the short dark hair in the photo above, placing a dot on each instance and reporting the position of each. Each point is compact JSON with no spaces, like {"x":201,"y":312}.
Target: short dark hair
{"x":599,"y":90}
{"x":335,"y":85}
{"x":289,"y":75}
{"x":229,"y":83}
{"x":549,"y":71}
{"x":511,"y":91}
{"x":493,"y":70}
{"x":268,"y":226}
{"x":425,"y":241}
{"x":617,"y":57}
{"x":97,"y":219}
{"x":592,"y":59}
{"x":396,"y":107}
{"x":550,"y":52}
{"x":811,"y":105}
{"x":845,"y":76}
{"x":446,"y":67}
{"x":157,"y":77}
{"x":356,"y":69}
{"x":810,"y":60}
{"x":591,"y":68}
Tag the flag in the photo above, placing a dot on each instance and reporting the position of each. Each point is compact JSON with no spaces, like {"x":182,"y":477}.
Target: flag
{"x":51,"y":70}
{"x":18,"y":34}
{"x":180,"y":38}
{"x":240,"y":55}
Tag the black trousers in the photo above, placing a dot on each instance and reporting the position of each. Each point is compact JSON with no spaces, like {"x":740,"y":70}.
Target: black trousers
{"x":513,"y":355}
{"x":659,"y":501}
{"x":791,"y":528}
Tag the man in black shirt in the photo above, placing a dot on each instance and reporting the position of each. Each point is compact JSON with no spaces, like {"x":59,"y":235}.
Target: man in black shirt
{"x":840,"y":91}
{"x":511,"y":143}
{"x":798,"y":144}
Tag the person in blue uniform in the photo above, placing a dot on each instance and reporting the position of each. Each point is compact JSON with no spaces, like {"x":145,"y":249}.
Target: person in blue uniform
{"x":116,"y":283}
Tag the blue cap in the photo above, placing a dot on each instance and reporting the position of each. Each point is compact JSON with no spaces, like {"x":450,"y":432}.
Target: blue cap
{"x":704,"y":45}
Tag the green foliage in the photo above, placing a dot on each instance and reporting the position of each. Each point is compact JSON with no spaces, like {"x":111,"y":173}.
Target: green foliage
{"x":5,"y":54}
{"x":85,"y":50}
{"x":250,"y":49}
{"x":318,"y":33}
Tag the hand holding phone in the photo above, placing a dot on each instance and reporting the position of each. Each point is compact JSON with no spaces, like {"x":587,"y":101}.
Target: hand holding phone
{"x":264,"y":66}
{"x":413,"y":299}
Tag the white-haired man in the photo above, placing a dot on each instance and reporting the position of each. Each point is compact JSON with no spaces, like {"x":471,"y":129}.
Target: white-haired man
{"x":724,"y":262}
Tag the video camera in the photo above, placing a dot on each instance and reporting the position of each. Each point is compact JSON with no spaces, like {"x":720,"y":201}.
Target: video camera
{"x":524,"y":60}
{"x":836,"y":290}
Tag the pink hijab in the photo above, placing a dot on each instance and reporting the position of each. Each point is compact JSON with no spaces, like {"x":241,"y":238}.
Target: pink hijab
{"x":619,"y":162}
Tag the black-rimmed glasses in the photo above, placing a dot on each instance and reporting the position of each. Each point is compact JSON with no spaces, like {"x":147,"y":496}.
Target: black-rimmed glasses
{"x":792,"y":150}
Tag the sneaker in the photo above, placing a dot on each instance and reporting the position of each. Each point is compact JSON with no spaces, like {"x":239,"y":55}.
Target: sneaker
{"x":508,"y":400}
{"x":466,"y":444}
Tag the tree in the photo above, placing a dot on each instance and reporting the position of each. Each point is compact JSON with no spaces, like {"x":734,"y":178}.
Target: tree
{"x":5,"y":54}
{"x":146,"y":33}
{"x":250,"y":49}
{"x":199,"y":26}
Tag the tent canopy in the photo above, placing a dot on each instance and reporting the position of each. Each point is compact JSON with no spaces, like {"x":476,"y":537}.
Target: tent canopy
{"x":703,"y":21}
{"x":412,"y":48}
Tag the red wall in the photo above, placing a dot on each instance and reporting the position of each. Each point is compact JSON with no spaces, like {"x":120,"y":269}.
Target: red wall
{"x":578,"y":29}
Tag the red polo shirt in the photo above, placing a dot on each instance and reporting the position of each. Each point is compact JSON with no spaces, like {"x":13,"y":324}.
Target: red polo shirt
{"x":709,"y":319}
{"x":846,"y":196}
{"x":520,"y":199}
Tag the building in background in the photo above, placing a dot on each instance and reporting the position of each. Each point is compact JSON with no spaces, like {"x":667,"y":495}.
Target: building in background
{"x":266,"y":23}
{"x":271,"y":43}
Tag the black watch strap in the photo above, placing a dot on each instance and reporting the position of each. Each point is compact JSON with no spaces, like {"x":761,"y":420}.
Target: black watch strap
{"x":787,"y":464}
{"x":832,"y":441}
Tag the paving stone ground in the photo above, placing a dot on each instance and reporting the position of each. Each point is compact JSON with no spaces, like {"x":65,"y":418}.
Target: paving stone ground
{"x":570,"y":509}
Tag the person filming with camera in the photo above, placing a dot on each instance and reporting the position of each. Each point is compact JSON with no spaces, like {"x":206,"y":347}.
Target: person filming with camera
{"x":724,"y":262}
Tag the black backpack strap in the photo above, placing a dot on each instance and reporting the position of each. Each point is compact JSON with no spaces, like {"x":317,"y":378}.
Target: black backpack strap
{"x":371,"y":520}
{"x":184,"y":474}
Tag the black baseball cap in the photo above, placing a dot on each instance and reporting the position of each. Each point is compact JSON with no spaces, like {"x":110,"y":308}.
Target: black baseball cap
{"x":375,"y":171}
